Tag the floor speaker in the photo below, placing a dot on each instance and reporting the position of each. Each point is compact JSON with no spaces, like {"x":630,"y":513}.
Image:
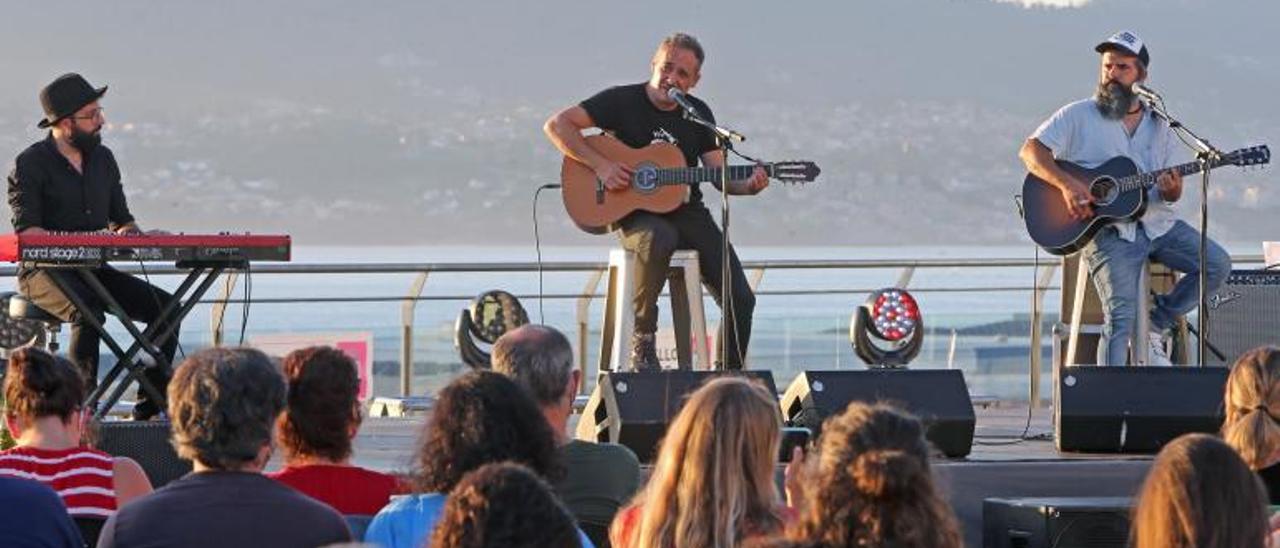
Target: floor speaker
{"x":1244,"y":314}
{"x":1093,"y":522}
{"x":146,"y":442}
{"x":939,"y":397}
{"x":1135,"y":409}
{"x":634,"y":408}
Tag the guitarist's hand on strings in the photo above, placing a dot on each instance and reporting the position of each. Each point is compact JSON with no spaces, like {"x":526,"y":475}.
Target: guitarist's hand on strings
{"x":1079,"y":201}
{"x":1170,"y":185}
{"x":615,"y":175}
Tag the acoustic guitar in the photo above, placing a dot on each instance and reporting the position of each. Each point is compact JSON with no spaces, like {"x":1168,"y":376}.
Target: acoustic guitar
{"x":1119,"y":194}
{"x":661,"y":181}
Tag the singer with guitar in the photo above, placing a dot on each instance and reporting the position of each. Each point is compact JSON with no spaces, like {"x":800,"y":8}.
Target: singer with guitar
{"x":1113,"y":124}
{"x":637,"y":115}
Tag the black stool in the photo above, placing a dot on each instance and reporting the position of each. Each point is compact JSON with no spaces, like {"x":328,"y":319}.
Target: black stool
{"x":23,"y":323}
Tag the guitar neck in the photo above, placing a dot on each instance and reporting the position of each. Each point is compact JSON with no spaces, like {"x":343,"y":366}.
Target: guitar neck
{"x":693,"y":175}
{"x":1147,"y":180}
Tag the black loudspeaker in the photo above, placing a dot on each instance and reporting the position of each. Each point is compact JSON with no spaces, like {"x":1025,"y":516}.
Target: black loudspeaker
{"x":634,"y":409}
{"x":1135,"y":409}
{"x":1244,"y":314}
{"x":1094,"y":522}
{"x":938,"y":396}
{"x":146,"y":442}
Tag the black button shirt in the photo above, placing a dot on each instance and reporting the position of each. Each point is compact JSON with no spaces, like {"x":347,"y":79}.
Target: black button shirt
{"x":45,"y":190}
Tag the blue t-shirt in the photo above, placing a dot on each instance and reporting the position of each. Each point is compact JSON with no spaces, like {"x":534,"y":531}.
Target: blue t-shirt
{"x":408,"y":521}
{"x":33,"y":516}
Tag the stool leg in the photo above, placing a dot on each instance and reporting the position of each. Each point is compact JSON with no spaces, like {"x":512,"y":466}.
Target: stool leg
{"x":1138,"y":344}
{"x":680,"y":317}
{"x":1077,"y":309}
{"x":625,"y":315}
{"x":606,"y":324}
{"x":697,"y":316}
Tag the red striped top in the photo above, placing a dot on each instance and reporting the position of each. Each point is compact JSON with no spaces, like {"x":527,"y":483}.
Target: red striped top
{"x":83,"y":477}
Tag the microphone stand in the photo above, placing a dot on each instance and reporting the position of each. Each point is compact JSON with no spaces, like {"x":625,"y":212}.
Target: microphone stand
{"x":724,"y":140}
{"x":1207,"y":156}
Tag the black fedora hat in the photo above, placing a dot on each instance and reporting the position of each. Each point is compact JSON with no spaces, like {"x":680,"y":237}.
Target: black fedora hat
{"x":64,"y":96}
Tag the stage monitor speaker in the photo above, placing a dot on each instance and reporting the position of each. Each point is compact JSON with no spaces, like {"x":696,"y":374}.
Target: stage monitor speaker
{"x":1244,"y":314}
{"x":939,"y":397}
{"x":1093,"y":522}
{"x":1135,"y":409}
{"x":634,"y":408}
{"x":146,"y":442}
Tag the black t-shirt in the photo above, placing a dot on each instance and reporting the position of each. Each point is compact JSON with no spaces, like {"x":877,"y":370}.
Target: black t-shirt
{"x":217,"y":509}
{"x":628,"y":114}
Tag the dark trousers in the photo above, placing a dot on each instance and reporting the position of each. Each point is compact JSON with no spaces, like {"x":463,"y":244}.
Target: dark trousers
{"x":653,"y":238}
{"x":139,"y":299}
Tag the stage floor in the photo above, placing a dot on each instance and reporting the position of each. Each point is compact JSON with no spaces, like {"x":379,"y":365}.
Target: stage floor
{"x":999,"y":466}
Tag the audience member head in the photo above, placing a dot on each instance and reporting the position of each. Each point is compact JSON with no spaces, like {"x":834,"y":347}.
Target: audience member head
{"x":38,"y":384}
{"x":871,"y":484}
{"x":1252,"y":402}
{"x":504,"y":504}
{"x":712,"y":484}
{"x":540,"y":360}
{"x":1199,"y":494}
{"x":479,"y":418}
{"x":322,"y":413}
{"x":223,"y":403}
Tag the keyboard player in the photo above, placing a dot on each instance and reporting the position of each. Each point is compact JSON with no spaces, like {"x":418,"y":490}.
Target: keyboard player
{"x":70,"y":182}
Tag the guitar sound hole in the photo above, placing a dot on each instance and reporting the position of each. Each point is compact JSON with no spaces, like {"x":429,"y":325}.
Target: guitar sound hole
{"x":1104,"y":191}
{"x":645,"y":179}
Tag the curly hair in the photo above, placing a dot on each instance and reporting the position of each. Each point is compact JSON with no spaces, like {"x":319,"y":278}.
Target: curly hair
{"x":40,"y":384}
{"x":1252,"y":402}
{"x":713,"y":482}
{"x":479,"y":418}
{"x":504,"y":504}
{"x":1199,"y":494}
{"x":322,"y":405}
{"x":872,"y":485}
{"x":223,"y":403}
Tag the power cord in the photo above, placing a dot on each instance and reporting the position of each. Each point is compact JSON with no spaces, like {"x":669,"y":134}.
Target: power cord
{"x":1035,"y":315}
{"x":248,"y":294}
{"x":537,"y":245}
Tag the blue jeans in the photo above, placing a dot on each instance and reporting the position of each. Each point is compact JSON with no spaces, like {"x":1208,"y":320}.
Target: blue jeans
{"x":1116,"y":264}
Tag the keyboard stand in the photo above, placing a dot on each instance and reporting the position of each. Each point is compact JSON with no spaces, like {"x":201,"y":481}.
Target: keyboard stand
{"x":149,"y":341}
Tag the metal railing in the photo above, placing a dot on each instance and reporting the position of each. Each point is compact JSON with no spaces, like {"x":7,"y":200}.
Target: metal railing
{"x":598,"y":271}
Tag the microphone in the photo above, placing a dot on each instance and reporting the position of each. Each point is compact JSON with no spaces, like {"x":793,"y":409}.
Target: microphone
{"x":683,"y":100}
{"x":1145,"y":92}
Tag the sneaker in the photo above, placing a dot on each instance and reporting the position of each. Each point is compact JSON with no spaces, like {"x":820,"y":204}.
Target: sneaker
{"x":644,"y":353}
{"x":1157,"y":351}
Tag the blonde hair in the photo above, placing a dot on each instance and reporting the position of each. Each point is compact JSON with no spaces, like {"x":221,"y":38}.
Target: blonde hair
{"x":1252,"y":396}
{"x":713,"y":482}
{"x":1199,"y":494}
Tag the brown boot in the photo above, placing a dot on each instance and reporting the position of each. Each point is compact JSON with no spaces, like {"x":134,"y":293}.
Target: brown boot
{"x":644,"y":353}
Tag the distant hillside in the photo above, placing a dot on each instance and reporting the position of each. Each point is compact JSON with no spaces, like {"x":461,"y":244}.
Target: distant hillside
{"x":421,"y":122}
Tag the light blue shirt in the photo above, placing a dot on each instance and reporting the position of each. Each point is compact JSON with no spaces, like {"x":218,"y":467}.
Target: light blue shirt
{"x":1078,"y":133}
{"x":408,"y":521}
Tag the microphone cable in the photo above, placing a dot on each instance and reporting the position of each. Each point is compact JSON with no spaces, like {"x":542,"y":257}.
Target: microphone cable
{"x":537,"y":245}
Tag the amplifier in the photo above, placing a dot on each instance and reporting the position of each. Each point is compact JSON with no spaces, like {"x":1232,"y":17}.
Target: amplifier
{"x":1244,"y":314}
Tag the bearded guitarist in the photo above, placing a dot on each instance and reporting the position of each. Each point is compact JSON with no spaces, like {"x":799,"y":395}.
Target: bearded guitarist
{"x":637,"y":115}
{"x":1092,"y":131}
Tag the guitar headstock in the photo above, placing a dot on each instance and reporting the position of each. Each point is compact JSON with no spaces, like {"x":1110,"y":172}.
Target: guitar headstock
{"x":1250,"y":156}
{"x":794,"y":172}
